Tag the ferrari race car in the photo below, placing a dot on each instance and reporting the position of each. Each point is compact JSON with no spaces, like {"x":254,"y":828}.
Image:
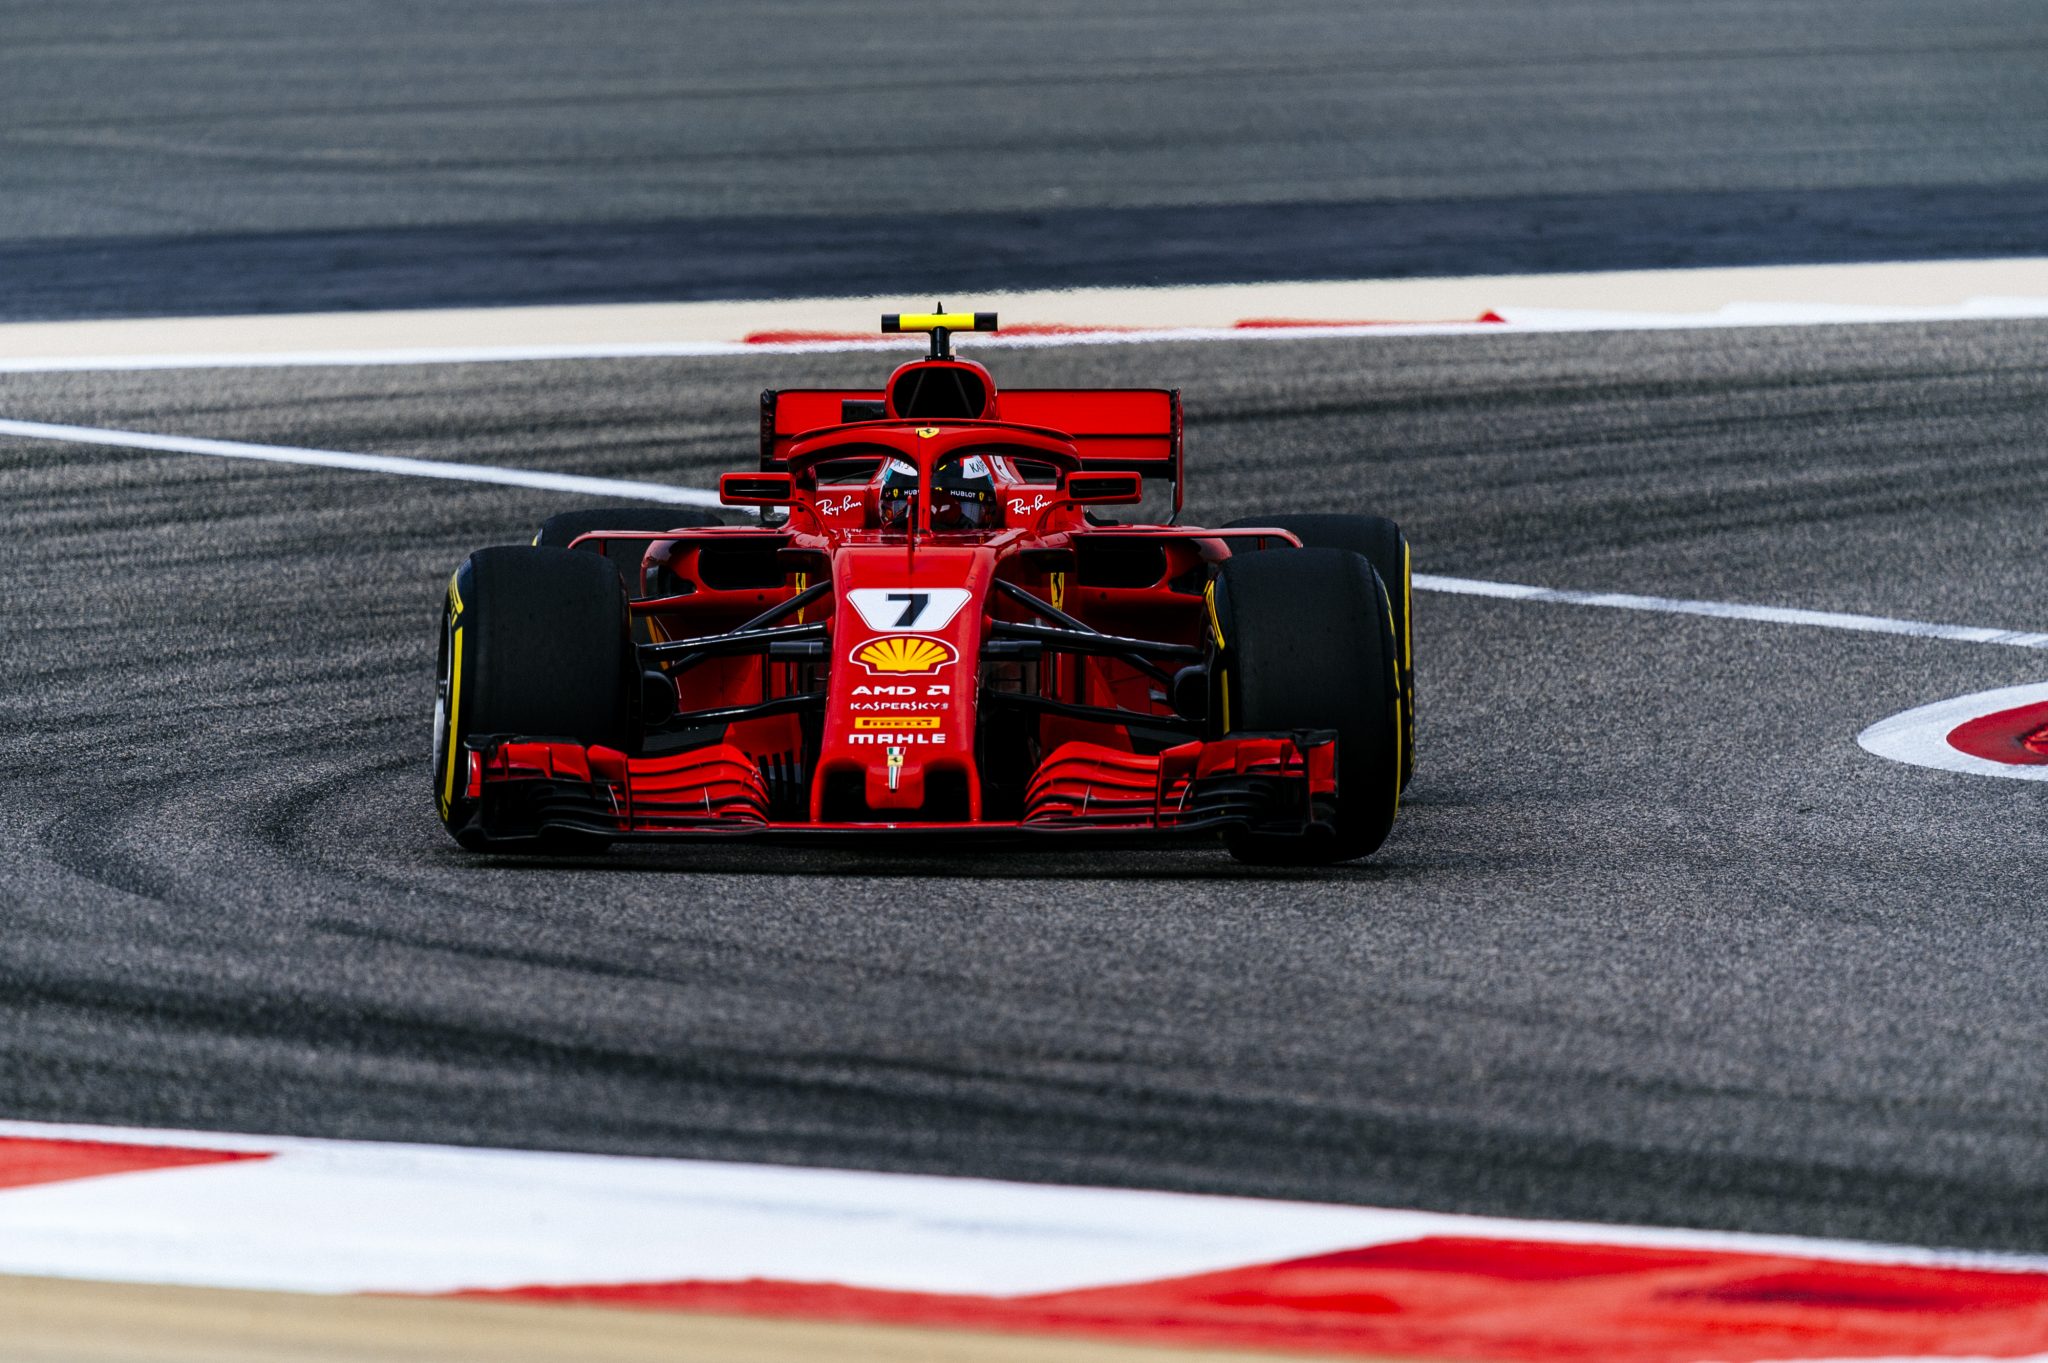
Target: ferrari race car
{"x":931,"y":623}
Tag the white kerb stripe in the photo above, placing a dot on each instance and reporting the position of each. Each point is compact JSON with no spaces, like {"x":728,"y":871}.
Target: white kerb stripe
{"x":1517,"y":319}
{"x":1731,"y":610}
{"x":418,"y":1218}
{"x":364,"y":463}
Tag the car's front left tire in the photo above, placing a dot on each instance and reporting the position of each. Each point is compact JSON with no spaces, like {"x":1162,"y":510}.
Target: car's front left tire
{"x":535,"y":642}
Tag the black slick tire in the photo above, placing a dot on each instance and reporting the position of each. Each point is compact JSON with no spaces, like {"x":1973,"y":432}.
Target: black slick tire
{"x":534,"y":642}
{"x":1386,"y":548}
{"x":1306,"y":641}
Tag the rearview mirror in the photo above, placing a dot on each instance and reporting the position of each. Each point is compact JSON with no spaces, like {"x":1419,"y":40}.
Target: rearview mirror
{"x":757,"y":489}
{"x":1095,"y":489}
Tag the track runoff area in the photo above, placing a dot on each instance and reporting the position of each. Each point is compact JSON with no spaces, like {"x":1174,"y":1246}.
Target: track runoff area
{"x":545,"y":1255}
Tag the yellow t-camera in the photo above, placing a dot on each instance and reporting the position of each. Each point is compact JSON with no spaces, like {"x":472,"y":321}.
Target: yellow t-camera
{"x":893,"y":322}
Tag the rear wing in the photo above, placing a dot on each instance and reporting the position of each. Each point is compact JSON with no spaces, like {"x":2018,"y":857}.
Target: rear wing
{"x":1119,"y":430}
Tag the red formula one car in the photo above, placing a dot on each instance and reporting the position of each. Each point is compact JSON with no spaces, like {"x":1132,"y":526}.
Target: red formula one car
{"x":931,"y":628}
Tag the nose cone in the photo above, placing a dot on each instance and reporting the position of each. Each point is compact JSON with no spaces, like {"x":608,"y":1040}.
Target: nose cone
{"x":898,"y":743}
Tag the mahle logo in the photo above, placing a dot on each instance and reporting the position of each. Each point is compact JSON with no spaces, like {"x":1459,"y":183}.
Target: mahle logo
{"x":904,"y":655}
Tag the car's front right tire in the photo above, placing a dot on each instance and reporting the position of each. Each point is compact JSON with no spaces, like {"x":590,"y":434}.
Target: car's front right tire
{"x":1305,"y":640}
{"x":1386,"y":548}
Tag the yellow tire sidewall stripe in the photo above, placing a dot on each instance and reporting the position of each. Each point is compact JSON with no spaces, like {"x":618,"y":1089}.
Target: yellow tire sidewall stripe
{"x":453,"y":718}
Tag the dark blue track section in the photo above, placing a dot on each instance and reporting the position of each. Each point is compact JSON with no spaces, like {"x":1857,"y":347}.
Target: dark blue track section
{"x":768,"y":256}
{"x":199,"y":156}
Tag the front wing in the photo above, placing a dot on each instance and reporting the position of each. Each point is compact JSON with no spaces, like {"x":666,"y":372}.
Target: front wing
{"x":521,"y":789}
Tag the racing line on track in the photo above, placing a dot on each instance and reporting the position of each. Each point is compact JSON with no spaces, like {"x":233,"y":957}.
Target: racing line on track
{"x":683,"y":496}
{"x":365,"y":463}
{"x":1730,"y":610}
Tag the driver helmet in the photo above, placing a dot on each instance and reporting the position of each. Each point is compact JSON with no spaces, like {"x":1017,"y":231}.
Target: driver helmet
{"x":963,"y":494}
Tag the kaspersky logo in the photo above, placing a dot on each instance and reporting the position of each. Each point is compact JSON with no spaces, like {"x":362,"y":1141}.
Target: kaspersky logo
{"x":904,"y":655}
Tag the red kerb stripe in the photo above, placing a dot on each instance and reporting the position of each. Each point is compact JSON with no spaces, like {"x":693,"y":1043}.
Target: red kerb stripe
{"x":1455,"y":1298}
{"x":2017,"y":737}
{"x":25,"y":1161}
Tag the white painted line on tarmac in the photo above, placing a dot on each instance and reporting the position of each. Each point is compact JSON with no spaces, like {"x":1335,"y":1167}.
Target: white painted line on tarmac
{"x":1920,"y":736}
{"x":363,"y":463}
{"x":1730,"y":610}
{"x":1515,"y":322}
{"x":299,"y":359}
{"x":712,"y":349}
{"x":1777,"y":295}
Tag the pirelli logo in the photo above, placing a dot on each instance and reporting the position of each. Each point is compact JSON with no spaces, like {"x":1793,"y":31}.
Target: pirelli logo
{"x":901,"y":722}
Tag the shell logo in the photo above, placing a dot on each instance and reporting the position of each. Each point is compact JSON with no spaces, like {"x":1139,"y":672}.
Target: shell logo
{"x":900,"y":655}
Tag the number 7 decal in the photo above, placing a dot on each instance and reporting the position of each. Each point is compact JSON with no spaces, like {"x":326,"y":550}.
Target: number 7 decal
{"x":892,"y":610}
{"x":913,"y":609}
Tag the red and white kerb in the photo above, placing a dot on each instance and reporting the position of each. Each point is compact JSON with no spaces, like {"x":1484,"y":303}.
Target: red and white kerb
{"x":210,"y":1209}
{"x":1991,"y":733}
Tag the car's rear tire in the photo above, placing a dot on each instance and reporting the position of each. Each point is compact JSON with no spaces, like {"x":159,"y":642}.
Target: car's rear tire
{"x":1306,"y":641}
{"x":1386,"y":548}
{"x":533,"y":641}
{"x":560,"y":531}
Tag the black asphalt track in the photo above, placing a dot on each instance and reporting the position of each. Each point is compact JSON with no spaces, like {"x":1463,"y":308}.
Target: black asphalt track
{"x":1654,"y":940}
{"x":208,"y":156}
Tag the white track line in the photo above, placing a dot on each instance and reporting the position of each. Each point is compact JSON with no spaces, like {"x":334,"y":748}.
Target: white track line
{"x":1521,"y":322}
{"x":1729,"y":610}
{"x":1898,"y":291}
{"x":364,"y":463}
{"x":416,"y":355}
{"x":684,"y":496}
{"x":643,"y":350}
